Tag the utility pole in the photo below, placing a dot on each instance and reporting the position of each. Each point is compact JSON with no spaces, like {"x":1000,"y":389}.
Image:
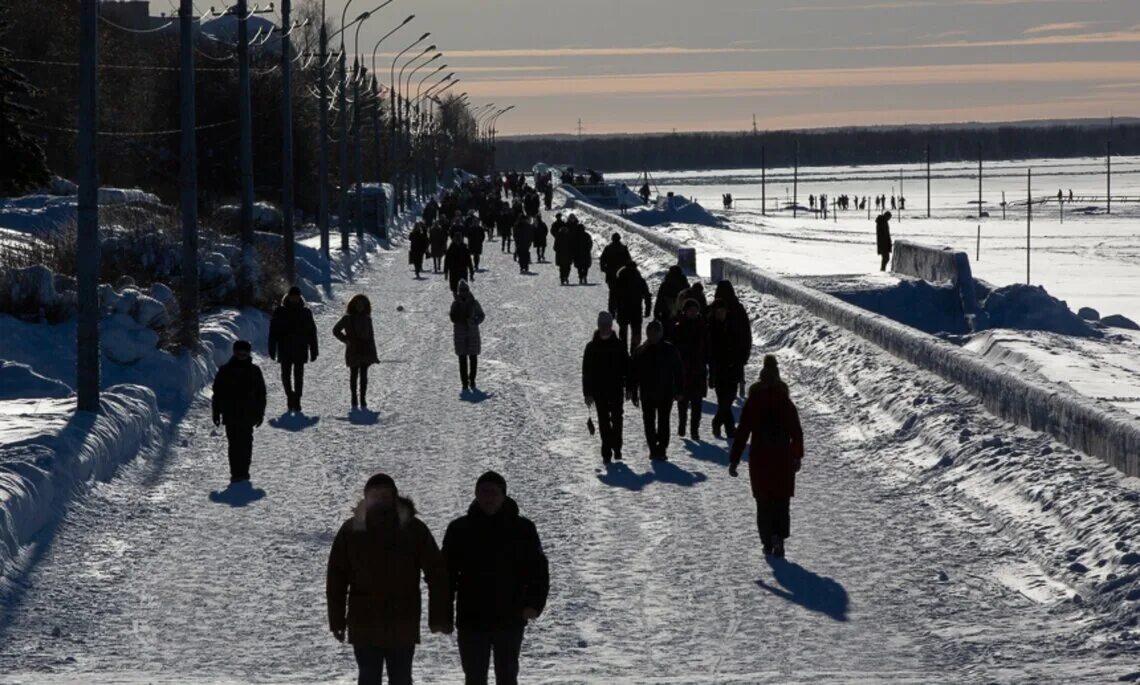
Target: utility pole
{"x":246,"y":276}
{"x":87,"y":238}
{"x":928,"y":180}
{"x":188,"y":292}
{"x":763,"y":182}
{"x":578,"y":162}
{"x":287,"y":143}
{"x":323,"y":210}
{"x":795,"y":182}
{"x":359,"y":157}
{"x":1108,"y":149}
{"x":1028,"y":219}
{"x":342,"y":220}
{"x":979,"y":181}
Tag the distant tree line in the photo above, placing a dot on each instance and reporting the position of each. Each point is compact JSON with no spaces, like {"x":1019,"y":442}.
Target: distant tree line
{"x":832,"y":147}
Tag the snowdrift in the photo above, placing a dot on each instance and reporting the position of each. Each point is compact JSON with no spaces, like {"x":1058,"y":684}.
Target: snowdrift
{"x":673,"y":210}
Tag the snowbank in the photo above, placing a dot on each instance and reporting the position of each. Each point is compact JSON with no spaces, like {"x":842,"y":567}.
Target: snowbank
{"x":673,"y":210}
{"x":940,"y":264}
{"x":578,"y":202}
{"x":45,"y":212}
{"x":1077,"y":421}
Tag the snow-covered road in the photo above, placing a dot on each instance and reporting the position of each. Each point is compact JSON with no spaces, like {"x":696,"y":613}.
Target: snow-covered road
{"x":657,"y":575}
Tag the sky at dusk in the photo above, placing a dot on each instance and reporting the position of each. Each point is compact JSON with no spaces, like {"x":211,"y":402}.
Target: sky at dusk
{"x":659,"y":65}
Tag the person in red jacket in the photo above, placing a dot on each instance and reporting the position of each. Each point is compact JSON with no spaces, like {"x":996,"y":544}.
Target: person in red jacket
{"x":771,"y":424}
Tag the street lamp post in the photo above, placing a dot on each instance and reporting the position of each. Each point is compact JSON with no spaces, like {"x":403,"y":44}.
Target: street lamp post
{"x":395,"y":115}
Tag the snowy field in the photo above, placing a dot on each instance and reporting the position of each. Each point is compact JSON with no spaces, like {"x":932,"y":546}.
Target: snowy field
{"x":931,"y":542}
{"x":1090,"y":260}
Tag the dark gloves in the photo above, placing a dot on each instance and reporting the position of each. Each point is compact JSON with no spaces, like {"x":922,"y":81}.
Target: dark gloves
{"x":313,"y":357}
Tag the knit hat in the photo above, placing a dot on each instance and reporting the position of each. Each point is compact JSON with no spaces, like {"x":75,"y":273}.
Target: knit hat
{"x":605,"y":319}
{"x":617,"y":238}
{"x":242,"y":346}
{"x":294,"y":291}
{"x":492,"y":477}
{"x":380,"y":480}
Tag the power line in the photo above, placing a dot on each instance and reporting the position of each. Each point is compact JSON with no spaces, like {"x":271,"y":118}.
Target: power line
{"x":107,"y":21}
{"x":128,"y":134}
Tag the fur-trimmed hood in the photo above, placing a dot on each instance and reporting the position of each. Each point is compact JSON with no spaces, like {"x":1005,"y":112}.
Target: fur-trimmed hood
{"x":405,"y":512}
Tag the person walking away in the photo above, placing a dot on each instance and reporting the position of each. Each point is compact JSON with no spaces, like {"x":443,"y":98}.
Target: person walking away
{"x":431,"y":212}
{"x":499,"y":581}
{"x":694,"y":292}
{"x":665,"y":308}
{"x":531,"y":204}
{"x":524,"y":238}
{"x":292,"y":342}
{"x":417,"y":248}
{"x":883,"y":239}
{"x":739,"y":326}
{"x":644,"y":192}
{"x":614,"y":257}
{"x":632,"y":296}
{"x":466,"y":317}
{"x":355,"y":330}
{"x":239,"y":404}
{"x":540,"y":233}
{"x":726,"y":370}
{"x":457,"y":264}
{"x":564,"y":252}
{"x":689,"y":336}
{"x":475,"y":238}
{"x":770,"y":425}
{"x":438,"y":238}
{"x":372,"y":584}
{"x":605,"y":380}
{"x":656,"y":381}
{"x":506,"y":225}
{"x":548,"y":194}
{"x":583,"y":248}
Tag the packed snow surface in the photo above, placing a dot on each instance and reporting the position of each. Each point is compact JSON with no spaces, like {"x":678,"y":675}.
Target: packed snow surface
{"x":931,"y":542}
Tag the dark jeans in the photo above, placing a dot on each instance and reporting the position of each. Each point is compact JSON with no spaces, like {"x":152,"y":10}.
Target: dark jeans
{"x":656,"y":419}
{"x":453,"y":281}
{"x":475,"y":647}
{"x":886,"y":260}
{"x":540,"y":253}
{"x":583,"y":274}
{"x":240,"y":448}
{"x":725,"y":397}
{"x":611,"y":301}
{"x":630,"y":333}
{"x":524,"y":257}
{"x":773,"y":519}
{"x":293,"y":378}
{"x":468,"y":367}
{"x":563,"y":272}
{"x":506,"y":244}
{"x":691,"y":407}
{"x":611,"y":414}
{"x":418,"y":264}
{"x":358,"y":378}
{"x":372,"y":660}
{"x":475,"y":260}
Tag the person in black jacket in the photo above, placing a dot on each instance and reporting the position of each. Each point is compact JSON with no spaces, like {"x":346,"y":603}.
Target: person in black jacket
{"x":614,"y":257}
{"x":883,"y":242}
{"x":540,"y":233}
{"x":457,"y":264}
{"x":292,"y":342}
{"x":417,"y":247}
{"x":656,"y":381}
{"x":431,"y":211}
{"x":631,"y":295}
{"x":739,"y":327}
{"x":726,"y":370}
{"x":437,"y":237}
{"x":531,"y":203}
{"x":605,"y":377}
{"x":583,"y":246}
{"x":239,"y":403}
{"x":500,"y":579}
{"x":524,"y":238}
{"x":475,"y":238}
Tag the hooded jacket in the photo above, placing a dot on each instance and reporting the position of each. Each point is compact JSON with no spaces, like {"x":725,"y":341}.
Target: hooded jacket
{"x":605,"y":368}
{"x":739,"y":326}
{"x":665,"y":310}
{"x":373,"y":581}
{"x":292,"y":333}
{"x":632,"y":296}
{"x":239,"y":393}
{"x":496,"y":568}
{"x":355,"y":331}
{"x":770,"y":424}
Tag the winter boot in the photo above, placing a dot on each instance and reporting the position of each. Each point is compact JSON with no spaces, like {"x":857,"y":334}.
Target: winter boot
{"x":716,"y":427}
{"x":695,"y":427}
{"x":617,"y":454}
{"x":778,"y":548}
{"x":607,"y":454}
{"x":681,"y":423}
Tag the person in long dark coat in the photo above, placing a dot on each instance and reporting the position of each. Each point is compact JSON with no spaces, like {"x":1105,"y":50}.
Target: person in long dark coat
{"x":372,"y":584}
{"x":631,"y":297}
{"x":656,"y":381}
{"x":457,"y":263}
{"x":739,"y":324}
{"x":883,"y":242}
{"x":605,"y":381}
{"x":726,"y":370}
{"x":292,"y":343}
{"x":489,"y":215}
{"x":506,"y":225}
{"x":355,"y":330}
{"x":583,"y":247}
{"x":239,"y":404}
{"x":563,"y":252}
{"x":524,"y":238}
{"x":475,"y":238}
{"x":540,"y":233}
{"x":614,"y":257}
{"x":499,"y":580}
{"x":665,"y":307}
{"x":466,"y":316}
{"x":770,"y":424}
{"x":417,"y":248}
{"x":531,"y":204}
{"x":438,"y":238}
{"x":689,"y":336}
{"x":431,"y":211}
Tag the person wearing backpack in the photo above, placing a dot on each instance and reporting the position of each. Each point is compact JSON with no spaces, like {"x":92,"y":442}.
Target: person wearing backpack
{"x":770,"y":425}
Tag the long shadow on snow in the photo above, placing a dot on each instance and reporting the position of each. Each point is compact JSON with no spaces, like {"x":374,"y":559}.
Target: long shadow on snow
{"x":361,"y":417}
{"x":238,"y":494}
{"x":475,"y":396}
{"x":618,"y":475}
{"x":709,"y":452}
{"x":294,"y":423}
{"x":811,"y":591}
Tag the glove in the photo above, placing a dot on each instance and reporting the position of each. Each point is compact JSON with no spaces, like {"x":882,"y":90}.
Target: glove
{"x":313,"y":357}
{"x":732,"y":470}
{"x":797,"y":464}
{"x":530,"y":614}
{"x":589,"y":401}
{"x":217,"y":419}
{"x":257,"y":423}
{"x":339,"y":635}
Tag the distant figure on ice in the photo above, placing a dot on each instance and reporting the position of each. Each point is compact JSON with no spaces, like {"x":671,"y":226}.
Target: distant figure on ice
{"x":499,"y":581}
{"x":292,"y":342}
{"x":355,"y":330}
{"x":883,"y":239}
{"x":894,"y":204}
{"x":690,"y":338}
{"x":457,"y":264}
{"x":417,"y":247}
{"x":657,"y":380}
{"x":466,"y":316}
{"x":239,"y":404}
{"x":902,"y":203}
{"x":614,"y":257}
{"x":770,"y":424}
{"x":727,"y":200}
{"x":1070,"y":194}
{"x":644,"y":193}
{"x":583,"y":248}
{"x":605,"y":379}
{"x":631,"y":296}
{"x":372,"y":585}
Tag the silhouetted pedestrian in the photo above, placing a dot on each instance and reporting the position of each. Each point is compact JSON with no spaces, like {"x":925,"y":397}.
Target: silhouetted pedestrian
{"x":239,"y":404}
